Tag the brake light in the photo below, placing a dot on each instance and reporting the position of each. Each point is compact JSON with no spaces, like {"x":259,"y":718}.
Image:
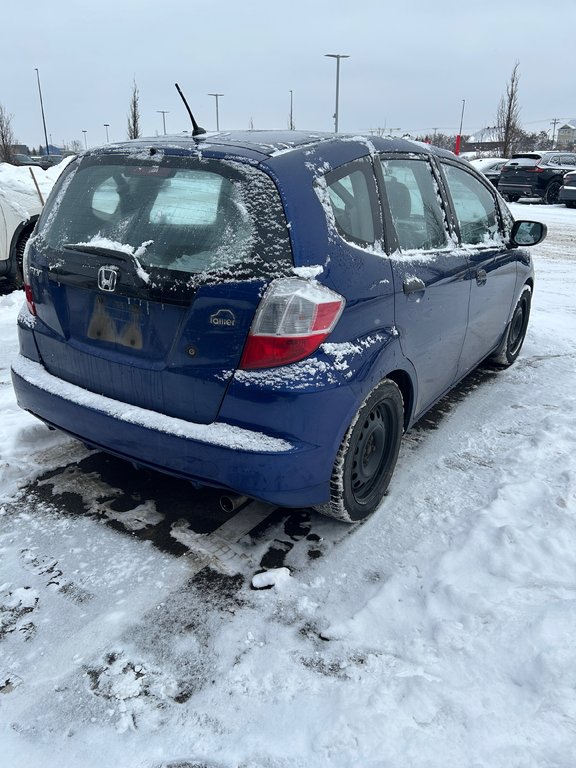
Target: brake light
{"x":294,"y":317}
{"x":29,"y":299}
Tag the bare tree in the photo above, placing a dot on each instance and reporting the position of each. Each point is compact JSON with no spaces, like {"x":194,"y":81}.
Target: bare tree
{"x":76,"y":146}
{"x":134,"y":114}
{"x":7,"y":140}
{"x":508,"y":116}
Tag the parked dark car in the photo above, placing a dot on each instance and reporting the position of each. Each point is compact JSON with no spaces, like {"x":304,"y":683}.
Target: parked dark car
{"x":47,"y":161}
{"x":267,"y":312}
{"x":20,"y":159}
{"x":490,"y":167}
{"x":567,"y":193}
{"x":535,"y":174}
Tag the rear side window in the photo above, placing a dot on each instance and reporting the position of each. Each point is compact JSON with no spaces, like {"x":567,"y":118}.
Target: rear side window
{"x":413,"y":198}
{"x":178,"y":215}
{"x":474,"y":205}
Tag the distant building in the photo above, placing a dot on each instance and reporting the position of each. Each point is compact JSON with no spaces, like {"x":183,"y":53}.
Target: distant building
{"x":486,"y":140}
{"x":20,"y":149}
{"x":53,"y":150}
{"x":566,"y":138}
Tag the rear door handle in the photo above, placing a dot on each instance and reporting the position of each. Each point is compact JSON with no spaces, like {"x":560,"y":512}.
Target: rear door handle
{"x":413,"y":285}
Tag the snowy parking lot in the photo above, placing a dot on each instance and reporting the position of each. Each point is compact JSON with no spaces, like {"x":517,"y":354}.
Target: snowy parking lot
{"x":137,"y":630}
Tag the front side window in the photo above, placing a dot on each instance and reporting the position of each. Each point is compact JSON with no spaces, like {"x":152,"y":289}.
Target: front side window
{"x":413,"y":198}
{"x":181,"y":214}
{"x":474,"y":205}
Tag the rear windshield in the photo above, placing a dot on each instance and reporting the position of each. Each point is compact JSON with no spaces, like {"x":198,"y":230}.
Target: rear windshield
{"x":185,"y":216}
{"x":524,"y":160}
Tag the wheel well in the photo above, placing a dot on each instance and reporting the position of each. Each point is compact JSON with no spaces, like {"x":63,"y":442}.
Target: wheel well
{"x":404,"y":384}
{"x":24,"y":230}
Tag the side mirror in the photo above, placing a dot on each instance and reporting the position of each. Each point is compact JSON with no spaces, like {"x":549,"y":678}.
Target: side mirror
{"x":528,"y":232}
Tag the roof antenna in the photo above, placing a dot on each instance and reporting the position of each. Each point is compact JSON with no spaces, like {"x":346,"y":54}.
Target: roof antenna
{"x":198,"y":131}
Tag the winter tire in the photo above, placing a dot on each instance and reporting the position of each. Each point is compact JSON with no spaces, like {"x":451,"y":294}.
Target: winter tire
{"x":15,"y":279}
{"x":551,"y":193}
{"x":516,"y":331}
{"x":512,"y":198}
{"x":367,"y":456}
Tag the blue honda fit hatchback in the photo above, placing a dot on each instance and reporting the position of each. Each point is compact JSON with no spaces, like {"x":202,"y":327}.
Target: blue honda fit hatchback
{"x":267,"y":312}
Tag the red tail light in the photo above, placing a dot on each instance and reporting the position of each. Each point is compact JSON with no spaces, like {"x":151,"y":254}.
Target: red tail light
{"x":29,"y":299}
{"x":294,"y":317}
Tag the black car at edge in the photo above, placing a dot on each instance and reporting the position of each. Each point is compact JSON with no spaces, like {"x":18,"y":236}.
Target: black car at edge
{"x":535,"y":174}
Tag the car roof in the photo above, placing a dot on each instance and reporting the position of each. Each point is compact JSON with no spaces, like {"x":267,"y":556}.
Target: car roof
{"x":260,"y":145}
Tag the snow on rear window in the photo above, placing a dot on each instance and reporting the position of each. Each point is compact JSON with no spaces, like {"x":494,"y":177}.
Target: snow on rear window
{"x":197,"y":216}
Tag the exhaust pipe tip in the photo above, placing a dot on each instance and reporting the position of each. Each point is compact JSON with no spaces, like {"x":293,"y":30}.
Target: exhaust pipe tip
{"x":230,"y":502}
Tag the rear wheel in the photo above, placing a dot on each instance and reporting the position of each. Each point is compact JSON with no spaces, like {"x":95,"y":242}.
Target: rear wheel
{"x":367,"y":456}
{"x":512,"y":198}
{"x":570,"y":203}
{"x":16,"y":278}
{"x":551,"y":193}
{"x":516,"y":331}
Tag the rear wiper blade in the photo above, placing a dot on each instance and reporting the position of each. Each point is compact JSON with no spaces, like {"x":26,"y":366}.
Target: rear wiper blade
{"x":99,"y":250}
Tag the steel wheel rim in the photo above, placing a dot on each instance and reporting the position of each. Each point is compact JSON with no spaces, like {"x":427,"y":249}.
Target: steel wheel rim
{"x":518,"y":326}
{"x":371,"y":451}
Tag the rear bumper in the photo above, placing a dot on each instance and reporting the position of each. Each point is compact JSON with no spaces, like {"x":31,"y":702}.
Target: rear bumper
{"x":219,"y":455}
{"x":524,"y":190}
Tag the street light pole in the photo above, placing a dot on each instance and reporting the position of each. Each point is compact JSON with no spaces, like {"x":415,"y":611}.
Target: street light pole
{"x":107,"y":125}
{"x":85,"y":142}
{"x":462,"y":115}
{"x":459,"y":137}
{"x":163,"y":113}
{"x":291,"y":111}
{"x":217,"y":96}
{"x":337,"y":56}
{"x":42,"y":109}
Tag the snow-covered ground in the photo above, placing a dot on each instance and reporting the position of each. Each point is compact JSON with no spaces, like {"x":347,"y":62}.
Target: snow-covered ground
{"x":439,"y":634}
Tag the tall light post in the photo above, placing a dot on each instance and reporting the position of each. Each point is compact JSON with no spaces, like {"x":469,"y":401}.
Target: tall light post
{"x":107,"y":125}
{"x":291,"y":110}
{"x":337,"y":56}
{"x":163,"y":112}
{"x":459,"y":137}
{"x":85,"y":142}
{"x":217,"y":96}
{"x":42,"y":109}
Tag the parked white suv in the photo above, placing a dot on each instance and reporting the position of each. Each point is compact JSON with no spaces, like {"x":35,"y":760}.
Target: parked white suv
{"x":20,"y":206}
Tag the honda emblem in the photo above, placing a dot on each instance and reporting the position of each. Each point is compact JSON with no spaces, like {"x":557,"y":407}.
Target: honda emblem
{"x":107,"y":278}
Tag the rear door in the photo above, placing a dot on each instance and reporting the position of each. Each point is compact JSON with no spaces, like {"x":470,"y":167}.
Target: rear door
{"x":148,"y":272}
{"x":430,"y":275}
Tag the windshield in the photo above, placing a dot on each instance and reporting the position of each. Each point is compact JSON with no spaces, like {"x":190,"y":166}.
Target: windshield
{"x":179,"y":214}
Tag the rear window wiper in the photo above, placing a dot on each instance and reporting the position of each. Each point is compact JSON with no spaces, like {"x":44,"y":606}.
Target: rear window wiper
{"x":100,"y":250}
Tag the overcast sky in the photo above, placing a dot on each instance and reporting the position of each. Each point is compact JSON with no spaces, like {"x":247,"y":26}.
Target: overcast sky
{"x":411,"y":65}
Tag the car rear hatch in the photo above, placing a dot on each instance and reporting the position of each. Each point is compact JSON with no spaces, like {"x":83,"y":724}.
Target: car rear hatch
{"x":146,"y":274}
{"x":520,"y":170}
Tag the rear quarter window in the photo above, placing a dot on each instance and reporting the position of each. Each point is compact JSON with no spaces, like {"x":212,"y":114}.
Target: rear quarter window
{"x":354,"y":204}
